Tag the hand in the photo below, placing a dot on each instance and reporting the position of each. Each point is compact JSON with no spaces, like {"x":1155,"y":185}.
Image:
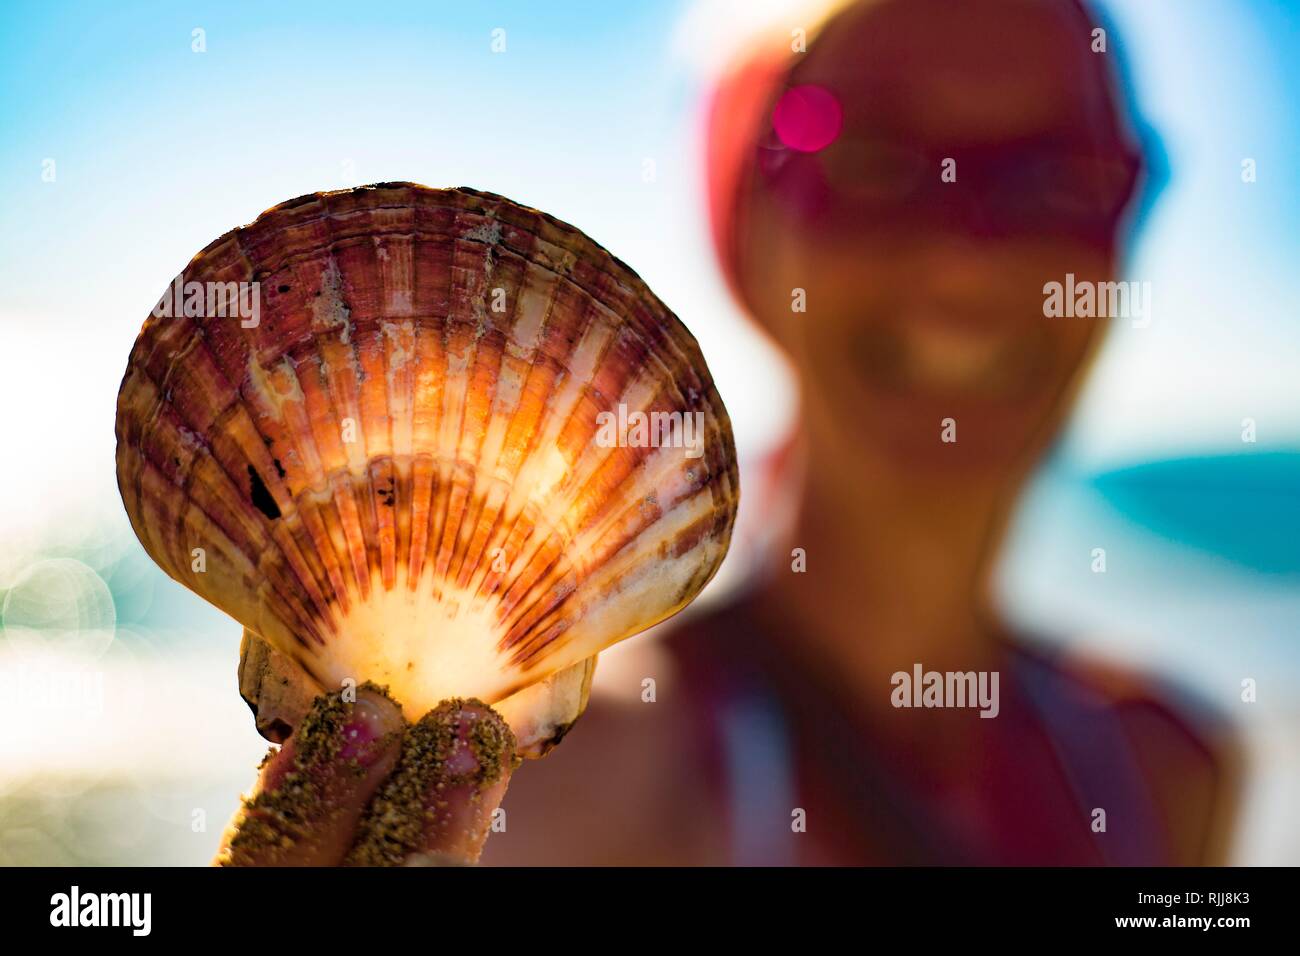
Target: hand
{"x":356,"y":785}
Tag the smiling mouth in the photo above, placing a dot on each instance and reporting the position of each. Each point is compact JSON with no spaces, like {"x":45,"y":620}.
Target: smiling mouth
{"x":943,"y":359}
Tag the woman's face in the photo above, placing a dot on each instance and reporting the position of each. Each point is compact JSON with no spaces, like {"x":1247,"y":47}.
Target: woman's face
{"x":977,"y":158}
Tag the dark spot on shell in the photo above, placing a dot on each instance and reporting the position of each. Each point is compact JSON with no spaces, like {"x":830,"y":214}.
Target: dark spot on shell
{"x":283,"y":289}
{"x":262,"y":499}
{"x":278,"y":467}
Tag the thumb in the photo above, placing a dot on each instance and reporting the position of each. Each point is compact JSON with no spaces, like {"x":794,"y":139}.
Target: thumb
{"x":437,"y":805}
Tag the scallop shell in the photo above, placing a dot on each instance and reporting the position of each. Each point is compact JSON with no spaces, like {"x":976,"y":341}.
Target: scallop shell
{"x":398,"y":469}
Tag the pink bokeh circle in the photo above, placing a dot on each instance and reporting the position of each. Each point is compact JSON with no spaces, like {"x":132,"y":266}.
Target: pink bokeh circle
{"x":807,"y":118}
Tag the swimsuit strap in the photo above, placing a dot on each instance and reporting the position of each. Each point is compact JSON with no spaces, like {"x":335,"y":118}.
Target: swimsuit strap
{"x":1100,"y":763}
{"x":753,"y":734}
{"x":760,"y":778}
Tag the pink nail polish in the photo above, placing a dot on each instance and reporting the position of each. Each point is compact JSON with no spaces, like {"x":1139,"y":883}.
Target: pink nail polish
{"x":359,"y":733}
{"x":463,"y":760}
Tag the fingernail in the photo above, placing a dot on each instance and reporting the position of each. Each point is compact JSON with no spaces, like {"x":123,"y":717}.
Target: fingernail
{"x":470,"y":740}
{"x":374,"y":716}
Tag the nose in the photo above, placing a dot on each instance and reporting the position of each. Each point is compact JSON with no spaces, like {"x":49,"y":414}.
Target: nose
{"x":968,"y":278}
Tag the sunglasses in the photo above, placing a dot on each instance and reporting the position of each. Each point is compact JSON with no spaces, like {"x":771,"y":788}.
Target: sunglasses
{"x":1031,"y":187}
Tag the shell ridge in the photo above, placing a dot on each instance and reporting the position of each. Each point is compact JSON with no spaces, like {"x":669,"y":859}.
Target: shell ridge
{"x":141,"y":463}
{"x":316,"y":490}
{"x":477,"y":444}
{"x":468,"y":305}
{"x":593,"y":458}
{"x":256,"y":382}
{"x":422,"y":478}
{"x":331,"y":315}
{"x":549,"y":427}
{"x":651,"y":471}
{"x":494,"y":502}
{"x":530,"y":605}
{"x":561,"y":577}
{"x":197,"y":340}
{"x":444,"y":470}
{"x":488,"y":233}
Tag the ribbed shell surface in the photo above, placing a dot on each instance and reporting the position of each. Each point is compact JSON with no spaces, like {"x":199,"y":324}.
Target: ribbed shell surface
{"x":402,"y":472}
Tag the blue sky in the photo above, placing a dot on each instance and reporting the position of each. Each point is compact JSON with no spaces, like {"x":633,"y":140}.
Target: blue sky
{"x":592,"y":112}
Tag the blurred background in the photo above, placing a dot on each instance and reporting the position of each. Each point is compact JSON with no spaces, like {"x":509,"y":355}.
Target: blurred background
{"x":135,"y":133}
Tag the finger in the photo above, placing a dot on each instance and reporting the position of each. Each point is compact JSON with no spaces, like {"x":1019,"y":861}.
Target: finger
{"x":437,"y":806}
{"x":306,"y":805}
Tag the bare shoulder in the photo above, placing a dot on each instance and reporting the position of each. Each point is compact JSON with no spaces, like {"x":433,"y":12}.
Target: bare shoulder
{"x":1191,"y":756}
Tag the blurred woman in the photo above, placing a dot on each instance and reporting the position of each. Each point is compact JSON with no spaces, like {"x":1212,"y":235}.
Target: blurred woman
{"x":889,"y":206}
